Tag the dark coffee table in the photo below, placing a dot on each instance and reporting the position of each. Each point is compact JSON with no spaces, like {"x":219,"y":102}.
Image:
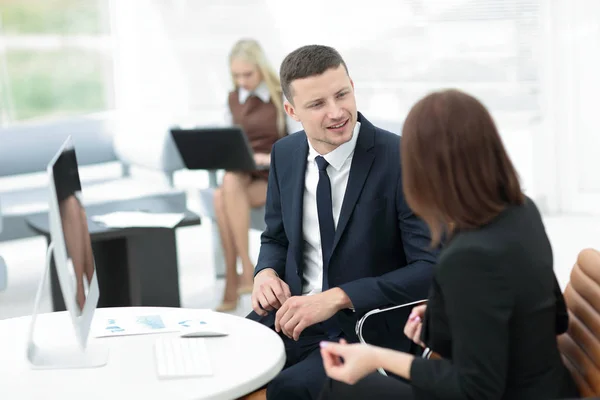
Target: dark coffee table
{"x":135,"y":266}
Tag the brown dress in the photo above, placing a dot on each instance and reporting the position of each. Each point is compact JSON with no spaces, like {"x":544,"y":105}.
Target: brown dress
{"x":259,"y":121}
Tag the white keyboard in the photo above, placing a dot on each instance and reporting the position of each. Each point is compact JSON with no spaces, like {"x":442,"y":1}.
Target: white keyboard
{"x":178,"y":357}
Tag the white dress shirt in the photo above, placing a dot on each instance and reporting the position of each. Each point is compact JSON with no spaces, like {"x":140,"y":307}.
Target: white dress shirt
{"x":338,"y":170}
{"x":262,"y":92}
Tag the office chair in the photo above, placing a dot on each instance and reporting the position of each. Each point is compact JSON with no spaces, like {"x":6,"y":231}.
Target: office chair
{"x":580,"y":345}
{"x":402,"y":308}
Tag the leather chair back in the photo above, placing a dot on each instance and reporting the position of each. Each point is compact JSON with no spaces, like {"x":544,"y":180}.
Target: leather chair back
{"x":580,"y":345}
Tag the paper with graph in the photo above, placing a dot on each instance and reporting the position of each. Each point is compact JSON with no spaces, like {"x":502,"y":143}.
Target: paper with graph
{"x":132,"y":325}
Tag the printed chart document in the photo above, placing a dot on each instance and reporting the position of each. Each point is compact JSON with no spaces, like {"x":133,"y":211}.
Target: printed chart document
{"x":138,"y":219}
{"x":148,"y":323}
{"x":132,"y":325}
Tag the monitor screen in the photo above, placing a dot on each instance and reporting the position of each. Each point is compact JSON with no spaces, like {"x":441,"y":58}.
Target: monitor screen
{"x":71,"y":249}
{"x":74,"y":225}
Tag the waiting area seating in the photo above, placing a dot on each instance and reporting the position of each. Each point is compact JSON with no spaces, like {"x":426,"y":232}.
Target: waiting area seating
{"x":101,"y":139}
{"x":109,"y":146}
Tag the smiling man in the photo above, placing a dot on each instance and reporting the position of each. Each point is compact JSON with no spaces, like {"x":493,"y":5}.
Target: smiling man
{"x":340,"y":239}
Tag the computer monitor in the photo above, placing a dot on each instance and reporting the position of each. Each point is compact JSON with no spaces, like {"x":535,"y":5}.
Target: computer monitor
{"x":71,"y":247}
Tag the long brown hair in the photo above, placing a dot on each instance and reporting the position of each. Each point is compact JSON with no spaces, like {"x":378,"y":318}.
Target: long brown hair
{"x":455,"y":170}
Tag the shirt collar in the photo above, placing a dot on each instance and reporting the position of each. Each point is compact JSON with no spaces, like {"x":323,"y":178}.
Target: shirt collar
{"x":261,"y":91}
{"x":340,"y":154}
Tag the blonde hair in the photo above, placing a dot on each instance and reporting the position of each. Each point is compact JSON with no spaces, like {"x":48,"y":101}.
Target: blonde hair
{"x":249,"y":50}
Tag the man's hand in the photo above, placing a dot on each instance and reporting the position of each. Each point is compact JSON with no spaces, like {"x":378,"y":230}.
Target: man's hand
{"x":269,"y":292}
{"x":414,"y":325}
{"x":300,"y":312}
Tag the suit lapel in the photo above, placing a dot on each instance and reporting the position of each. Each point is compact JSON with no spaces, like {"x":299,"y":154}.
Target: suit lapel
{"x":359,"y":170}
{"x":297,"y":173}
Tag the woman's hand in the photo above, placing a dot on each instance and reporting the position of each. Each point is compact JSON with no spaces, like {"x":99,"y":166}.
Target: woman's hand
{"x":348,"y":362}
{"x":262,"y":159}
{"x":414,"y":325}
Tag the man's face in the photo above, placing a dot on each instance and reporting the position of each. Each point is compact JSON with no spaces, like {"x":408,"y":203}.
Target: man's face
{"x":326,"y":107}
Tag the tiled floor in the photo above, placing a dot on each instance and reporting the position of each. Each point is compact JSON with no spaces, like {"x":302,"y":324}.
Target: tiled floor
{"x":200,"y":289}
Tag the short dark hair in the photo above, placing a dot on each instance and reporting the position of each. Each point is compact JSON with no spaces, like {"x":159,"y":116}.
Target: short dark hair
{"x":307,"y":61}
{"x":455,"y":170}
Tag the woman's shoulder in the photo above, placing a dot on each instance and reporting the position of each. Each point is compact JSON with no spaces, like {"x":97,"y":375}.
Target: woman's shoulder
{"x":500,"y":234}
{"x":468,"y":252}
{"x":465,"y":247}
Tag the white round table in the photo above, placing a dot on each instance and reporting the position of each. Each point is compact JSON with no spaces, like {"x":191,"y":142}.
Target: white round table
{"x":249,"y":357}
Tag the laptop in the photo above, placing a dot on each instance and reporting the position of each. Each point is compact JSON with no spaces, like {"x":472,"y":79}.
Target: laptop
{"x":212,"y":148}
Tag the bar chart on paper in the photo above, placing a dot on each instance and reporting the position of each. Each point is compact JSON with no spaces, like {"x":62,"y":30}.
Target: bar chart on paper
{"x":133,"y":325}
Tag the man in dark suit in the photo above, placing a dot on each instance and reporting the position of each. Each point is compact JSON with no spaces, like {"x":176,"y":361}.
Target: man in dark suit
{"x":340,"y":239}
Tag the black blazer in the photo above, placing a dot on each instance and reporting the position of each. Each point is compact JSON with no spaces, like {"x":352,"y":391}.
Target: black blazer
{"x":381,"y":254}
{"x":494,"y":312}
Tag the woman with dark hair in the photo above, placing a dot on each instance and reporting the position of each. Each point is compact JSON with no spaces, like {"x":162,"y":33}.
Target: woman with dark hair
{"x":495,"y":307}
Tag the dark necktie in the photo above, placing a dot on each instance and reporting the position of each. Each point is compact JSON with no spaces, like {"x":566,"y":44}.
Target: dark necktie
{"x":327,"y":229}
{"x":325,"y":212}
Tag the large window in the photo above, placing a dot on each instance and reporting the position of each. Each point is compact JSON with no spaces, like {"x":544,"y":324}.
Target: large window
{"x":55,"y":59}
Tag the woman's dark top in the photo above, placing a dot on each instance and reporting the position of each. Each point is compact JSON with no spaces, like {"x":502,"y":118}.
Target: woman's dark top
{"x":494,"y":312}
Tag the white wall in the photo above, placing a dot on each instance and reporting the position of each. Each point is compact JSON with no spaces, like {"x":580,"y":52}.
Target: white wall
{"x":568,"y":147}
{"x":512,"y":54}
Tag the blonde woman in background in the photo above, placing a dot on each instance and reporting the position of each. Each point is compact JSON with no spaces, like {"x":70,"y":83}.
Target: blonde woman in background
{"x":255,"y":104}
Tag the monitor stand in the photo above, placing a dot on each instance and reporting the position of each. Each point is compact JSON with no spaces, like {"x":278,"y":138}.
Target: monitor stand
{"x":60,"y":356}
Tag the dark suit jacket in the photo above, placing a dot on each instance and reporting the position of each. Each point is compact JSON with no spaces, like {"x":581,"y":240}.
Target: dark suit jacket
{"x":381,"y":254}
{"x":494,"y":311}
